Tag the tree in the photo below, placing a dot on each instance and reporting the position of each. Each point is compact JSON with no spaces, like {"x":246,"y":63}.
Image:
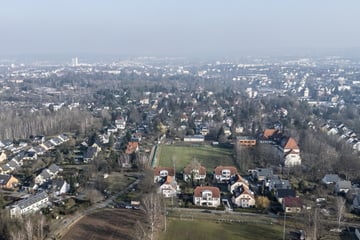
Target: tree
{"x":153,"y":207}
{"x":340,"y":204}
{"x":262,"y":202}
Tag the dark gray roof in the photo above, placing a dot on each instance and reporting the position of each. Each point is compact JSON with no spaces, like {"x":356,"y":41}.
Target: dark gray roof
{"x":344,"y":184}
{"x":53,"y":168}
{"x":267,"y":172}
{"x":45,"y":174}
{"x":331,"y":178}
{"x":4,"y":179}
{"x":31,"y":200}
{"x":281,"y":193}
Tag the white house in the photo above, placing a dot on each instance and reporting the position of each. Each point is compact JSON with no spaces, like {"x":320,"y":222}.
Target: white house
{"x":243,"y":197}
{"x":224,"y":173}
{"x":29,"y":205}
{"x":237,"y":181}
{"x":120,"y":123}
{"x":194,"y":173}
{"x":290,"y":152}
{"x":161,"y":172}
{"x":169,"y":187}
{"x":207,"y":196}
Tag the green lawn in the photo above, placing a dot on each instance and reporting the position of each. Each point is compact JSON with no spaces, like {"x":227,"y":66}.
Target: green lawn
{"x":201,"y":229}
{"x":207,"y":155}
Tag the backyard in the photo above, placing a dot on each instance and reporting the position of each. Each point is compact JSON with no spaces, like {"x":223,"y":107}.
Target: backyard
{"x":182,"y":155}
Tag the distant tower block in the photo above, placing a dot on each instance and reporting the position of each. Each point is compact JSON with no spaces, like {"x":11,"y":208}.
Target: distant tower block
{"x":74,"y":62}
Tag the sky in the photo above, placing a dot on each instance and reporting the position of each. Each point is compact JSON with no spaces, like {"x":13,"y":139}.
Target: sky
{"x":177,"y":27}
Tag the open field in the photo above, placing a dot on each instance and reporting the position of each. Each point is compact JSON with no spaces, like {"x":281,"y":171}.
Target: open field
{"x":202,"y":229}
{"x":106,"y":224}
{"x":207,"y":155}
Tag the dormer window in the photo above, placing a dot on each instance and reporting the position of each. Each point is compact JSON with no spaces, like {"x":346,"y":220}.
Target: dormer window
{"x":226,"y":172}
{"x":164,"y":173}
{"x":206,"y":194}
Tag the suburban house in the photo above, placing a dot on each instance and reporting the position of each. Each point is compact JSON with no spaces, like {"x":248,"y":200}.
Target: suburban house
{"x":8,"y":181}
{"x":224,"y":173}
{"x":270,"y":135}
{"x":194,"y":173}
{"x":120,"y":123}
{"x":260,"y":174}
{"x":330,"y":179}
{"x":91,"y":153}
{"x":168,"y":187}
{"x":275,"y":183}
{"x":292,"y":204}
{"x":236,"y":181}
{"x":162,"y":172}
{"x":280,"y":194}
{"x":3,"y":157}
{"x":29,"y":205}
{"x":37,"y":139}
{"x":290,"y":152}
{"x":246,"y":141}
{"x":47,"y":174}
{"x":342,"y":186}
{"x":243,"y":197}
{"x":207,"y":196}
{"x":60,"y":187}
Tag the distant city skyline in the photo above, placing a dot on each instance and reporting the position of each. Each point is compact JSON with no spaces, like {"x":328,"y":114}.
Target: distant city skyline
{"x":178,"y":28}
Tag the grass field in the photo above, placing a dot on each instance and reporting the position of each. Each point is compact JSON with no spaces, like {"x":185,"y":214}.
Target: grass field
{"x":201,"y":229}
{"x":207,"y":155}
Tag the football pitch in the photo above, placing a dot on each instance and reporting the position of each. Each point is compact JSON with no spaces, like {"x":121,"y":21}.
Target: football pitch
{"x":181,"y":155}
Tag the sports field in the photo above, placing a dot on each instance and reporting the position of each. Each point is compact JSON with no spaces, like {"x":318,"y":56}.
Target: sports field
{"x":208,"y":156}
{"x":209,"y":230}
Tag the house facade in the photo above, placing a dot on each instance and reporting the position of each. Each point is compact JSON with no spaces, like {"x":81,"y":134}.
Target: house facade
{"x":246,"y":141}
{"x":243,"y":197}
{"x":162,"y":172}
{"x":292,"y":204}
{"x":207,"y":196}
{"x":29,"y":205}
{"x":236,"y":181}
{"x":169,"y":187}
{"x":290,"y":152}
{"x":8,"y":181}
{"x":194,"y":173}
{"x":224,"y":173}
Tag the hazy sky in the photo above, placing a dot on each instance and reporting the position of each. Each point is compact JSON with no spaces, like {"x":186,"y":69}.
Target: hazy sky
{"x":176,"y":27}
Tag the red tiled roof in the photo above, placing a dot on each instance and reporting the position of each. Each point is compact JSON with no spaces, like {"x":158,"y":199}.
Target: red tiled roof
{"x":188,"y":169}
{"x":131,"y":147}
{"x":291,"y":144}
{"x":269,"y":132}
{"x":292,"y":202}
{"x":218,"y":169}
{"x":170,"y":171}
{"x":215,"y":191}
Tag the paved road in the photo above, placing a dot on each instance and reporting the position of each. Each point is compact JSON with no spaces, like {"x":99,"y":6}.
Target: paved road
{"x":61,"y":226}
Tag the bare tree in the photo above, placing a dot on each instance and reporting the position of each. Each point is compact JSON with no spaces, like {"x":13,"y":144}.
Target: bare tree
{"x":29,"y":229}
{"x":340,"y":204}
{"x":153,"y":209}
{"x":17,"y":235}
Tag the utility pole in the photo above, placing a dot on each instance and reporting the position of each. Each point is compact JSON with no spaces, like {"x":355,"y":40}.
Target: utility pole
{"x":284,"y":231}
{"x":315,"y":224}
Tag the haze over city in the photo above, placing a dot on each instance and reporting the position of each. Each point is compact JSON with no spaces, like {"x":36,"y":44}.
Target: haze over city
{"x":178,"y":28}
